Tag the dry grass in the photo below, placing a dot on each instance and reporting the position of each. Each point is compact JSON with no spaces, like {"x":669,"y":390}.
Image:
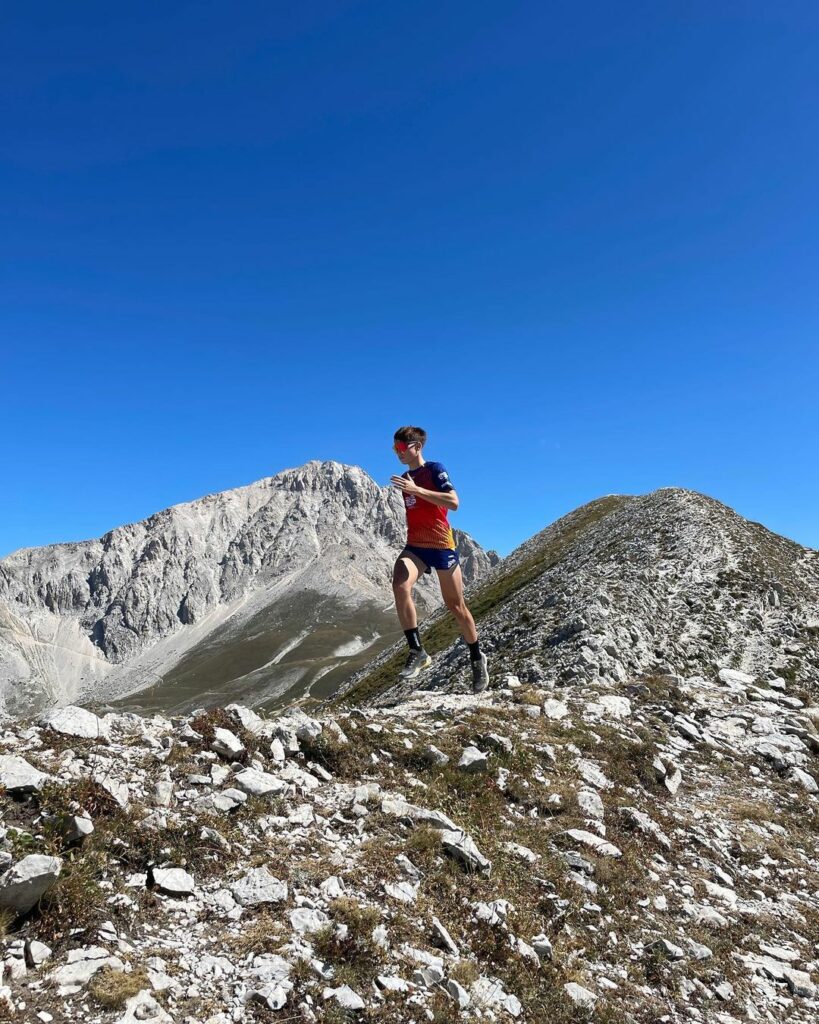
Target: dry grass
{"x":354,"y":956}
{"x":112,"y":988}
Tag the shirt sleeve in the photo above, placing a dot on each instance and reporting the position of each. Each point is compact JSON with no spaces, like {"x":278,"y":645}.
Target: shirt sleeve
{"x":440,"y":478}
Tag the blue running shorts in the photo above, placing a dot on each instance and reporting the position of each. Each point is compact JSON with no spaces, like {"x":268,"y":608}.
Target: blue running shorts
{"x":435,"y":558}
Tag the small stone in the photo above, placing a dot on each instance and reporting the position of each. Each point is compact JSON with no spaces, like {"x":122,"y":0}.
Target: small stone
{"x":542,"y":946}
{"x":258,"y":886}
{"x":735,"y":679}
{"x":665,"y":948}
{"x":593,"y":842}
{"x":458,"y":993}
{"x":435,"y":756}
{"x":256,"y":783}
{"x":305,"y":921}
{"x":442,"y":937}
{"x":174,"y":881}
{"x":24,"y":883}
{"x":404,"y":892}
{"x":473,"y":760}
{"x":589,"y":802}
{"x":74,"y":721}
{"x":345,"y":997}
{"x":18,"y":776}
{"x":807,"y":782}
{"x":580,"y":996}
{"x":704,"y":915}
{"x":226,"y":743}
{"x":555,"y":709}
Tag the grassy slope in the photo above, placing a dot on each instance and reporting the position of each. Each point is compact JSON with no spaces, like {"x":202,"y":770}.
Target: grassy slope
{"x":525,"y":564}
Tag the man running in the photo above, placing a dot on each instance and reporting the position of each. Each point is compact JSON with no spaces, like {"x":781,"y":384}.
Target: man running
{"x":428,"y":496}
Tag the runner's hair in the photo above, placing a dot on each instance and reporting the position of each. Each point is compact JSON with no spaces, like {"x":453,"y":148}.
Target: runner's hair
{"x":411,"y":435}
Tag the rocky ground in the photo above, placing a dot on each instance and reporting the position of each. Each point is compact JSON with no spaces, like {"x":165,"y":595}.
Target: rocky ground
{"x":634,"y":850}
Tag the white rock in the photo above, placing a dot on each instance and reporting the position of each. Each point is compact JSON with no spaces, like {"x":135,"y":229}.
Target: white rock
{"x":580,"y":996}
{"x":473,"y":760}
{"x":554,"y":709}
{"x":732,"y":677}
{"x":332,"y":888}
{"x":226,"y":743}
{"x":399,"y":808}
{"x":542,"y":946}
{"x":807,"y":782}
{"x":24,"y":883}
{"x":458,"y":992}
{"x":614,"y":706}
{"x":257,"y":783}
{"x":489,"y":992}
{"x":81,"y":968}
{"x":589,"y":802}
{"x":346,"y":997}
{"x":666,"y":948}
{"x":404,"y":892}
{"x":258,"y":886}
{"x":460,"y":845}
{"x":391,"y":983}
{"x":443,"y":938}
{"x":591,"y":774}
{"x":248,"y":718}
{"x":704,"y":915}
{"x":593,"y":842}
{"x":521,"y":852}
{"x":174,"y":881}
{"x":18,"y":776}
{"x":75,"y":721}
{"x":305,"y":921}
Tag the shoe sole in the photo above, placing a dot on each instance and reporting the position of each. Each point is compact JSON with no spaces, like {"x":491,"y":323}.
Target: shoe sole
{"x":416,"y":671}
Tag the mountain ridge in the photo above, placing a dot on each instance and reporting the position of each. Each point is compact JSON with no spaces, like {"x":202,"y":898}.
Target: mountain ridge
{"x":586,"y":596}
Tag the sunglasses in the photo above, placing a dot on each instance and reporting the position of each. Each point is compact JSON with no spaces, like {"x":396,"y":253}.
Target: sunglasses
{"x":401,"y":446}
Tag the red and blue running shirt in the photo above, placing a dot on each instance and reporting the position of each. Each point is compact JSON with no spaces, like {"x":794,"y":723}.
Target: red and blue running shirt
{"x":427,"y":525}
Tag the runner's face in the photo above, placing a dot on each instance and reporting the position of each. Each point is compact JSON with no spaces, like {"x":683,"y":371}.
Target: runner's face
{"x":405,"y":452}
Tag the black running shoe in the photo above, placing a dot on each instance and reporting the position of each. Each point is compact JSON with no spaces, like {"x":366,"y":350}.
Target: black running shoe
{"x":416,"y":661}
{"x":480,"y":674}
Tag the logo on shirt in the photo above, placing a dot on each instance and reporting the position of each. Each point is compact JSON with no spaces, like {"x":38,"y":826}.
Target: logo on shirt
{"x":409,"y":500}
{"x":443,"y":476}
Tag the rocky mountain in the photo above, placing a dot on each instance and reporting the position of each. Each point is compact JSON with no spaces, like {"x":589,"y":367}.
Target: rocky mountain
{"x":668,"y":582}
{"x":253,"y":592}
{"x":621,"y":829}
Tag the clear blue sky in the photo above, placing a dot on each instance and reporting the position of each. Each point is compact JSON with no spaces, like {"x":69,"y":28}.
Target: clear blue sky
{"x":578,"y":243}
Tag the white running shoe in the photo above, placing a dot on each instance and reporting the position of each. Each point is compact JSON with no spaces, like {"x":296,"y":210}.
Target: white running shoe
{"x":416,"y":662}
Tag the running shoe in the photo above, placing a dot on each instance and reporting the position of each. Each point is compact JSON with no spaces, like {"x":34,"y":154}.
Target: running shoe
{"x":480,"y":674}
{"x":416,"y":661}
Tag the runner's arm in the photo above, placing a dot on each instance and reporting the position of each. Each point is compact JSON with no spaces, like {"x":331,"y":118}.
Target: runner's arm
{"x":447,"y":499}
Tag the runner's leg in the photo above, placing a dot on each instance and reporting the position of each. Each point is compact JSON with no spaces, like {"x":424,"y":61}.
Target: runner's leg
{"x":405,"y":574}
{"x":452,"y":591}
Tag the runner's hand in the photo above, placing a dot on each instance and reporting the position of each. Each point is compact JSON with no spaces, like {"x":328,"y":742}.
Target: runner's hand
{"x":407,"y":486}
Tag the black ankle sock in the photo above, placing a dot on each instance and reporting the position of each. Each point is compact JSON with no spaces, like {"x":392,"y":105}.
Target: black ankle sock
{"x":413,"y":639}
{"x":474,"y":650}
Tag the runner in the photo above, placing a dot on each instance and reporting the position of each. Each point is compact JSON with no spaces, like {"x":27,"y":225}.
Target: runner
{"x":428,"y":497}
